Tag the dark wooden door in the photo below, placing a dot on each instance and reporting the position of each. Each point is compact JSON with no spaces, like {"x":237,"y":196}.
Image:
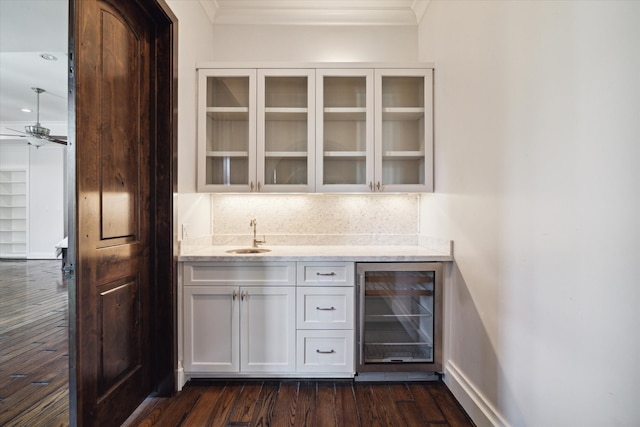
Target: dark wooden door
{"x":122,"y":304}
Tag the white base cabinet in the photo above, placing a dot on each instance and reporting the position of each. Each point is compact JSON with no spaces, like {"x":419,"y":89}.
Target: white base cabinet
{"x":251,"y":320}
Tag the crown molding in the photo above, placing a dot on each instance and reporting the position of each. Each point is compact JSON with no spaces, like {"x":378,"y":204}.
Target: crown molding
{"x":319,"y":12}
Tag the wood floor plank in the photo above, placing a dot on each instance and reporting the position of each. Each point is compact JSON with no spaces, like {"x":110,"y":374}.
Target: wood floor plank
{"x":220,"y":413}
{"x":265,"y":406}
{"x":246,"y":404}
{"x":306,"y":404}
{"x":201,"y":413}
{"x":428,"y":407}
{"x":324,"y":413}
{"x":366,"y":407}
{"x":284,"y":412}
{"x":452,"y":411}
{"x":385,"y":406}
{"x":346,"y":408}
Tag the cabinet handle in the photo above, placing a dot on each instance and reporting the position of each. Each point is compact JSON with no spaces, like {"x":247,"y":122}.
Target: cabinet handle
{"x":259,"y":186}
{"x":325,"y":274}
{"x":235,"y":295}
{"x":371,"y":185}
{"x":244,"y":294}
{"x":251,"y":186}
{"x":379,"y":186}
{"x":325,"y":308}
{"x":325,"y":352}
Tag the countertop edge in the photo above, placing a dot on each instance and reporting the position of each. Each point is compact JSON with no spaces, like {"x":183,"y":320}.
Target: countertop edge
{"x":322,"y":253}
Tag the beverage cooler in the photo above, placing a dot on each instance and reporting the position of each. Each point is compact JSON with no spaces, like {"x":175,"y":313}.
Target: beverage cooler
{"x":399,"y":319}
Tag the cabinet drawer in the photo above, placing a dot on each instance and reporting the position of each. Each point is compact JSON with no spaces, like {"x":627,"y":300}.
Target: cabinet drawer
{"x":325,"y":351}
{"x":326,"y":273}
{"x":244,"y":273}
{"x":325,"y":308}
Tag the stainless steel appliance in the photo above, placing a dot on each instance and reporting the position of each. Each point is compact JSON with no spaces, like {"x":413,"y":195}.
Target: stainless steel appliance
{"x":399,"y":321}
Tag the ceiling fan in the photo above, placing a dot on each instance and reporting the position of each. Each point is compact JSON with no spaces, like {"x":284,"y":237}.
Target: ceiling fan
{"x":38,"y":135}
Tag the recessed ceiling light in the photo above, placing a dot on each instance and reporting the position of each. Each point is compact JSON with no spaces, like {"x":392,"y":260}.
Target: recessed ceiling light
{"x":48,"y":57}
{"x":25,"y":110}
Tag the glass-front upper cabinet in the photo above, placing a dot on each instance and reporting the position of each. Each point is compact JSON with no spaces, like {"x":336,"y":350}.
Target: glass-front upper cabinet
{"x":344,"y":130}
{"x":286,"y":132}
{"x":404,"y":130}
{"x":226,"y":130}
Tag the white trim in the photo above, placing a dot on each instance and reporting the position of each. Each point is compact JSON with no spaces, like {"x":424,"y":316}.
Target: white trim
{"x":420,"y":8}
{"x":42,"y":255}
{"x":479,"y":408}
{"x":313,"y":65}
{"x":210,"y":8}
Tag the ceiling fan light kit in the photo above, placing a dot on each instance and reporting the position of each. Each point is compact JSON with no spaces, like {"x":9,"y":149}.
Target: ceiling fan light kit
{"x":38,"y":135}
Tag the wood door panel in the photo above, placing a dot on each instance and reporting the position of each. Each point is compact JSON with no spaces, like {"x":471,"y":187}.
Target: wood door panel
{"x":119,"y":317}
{"x":122,"y":67}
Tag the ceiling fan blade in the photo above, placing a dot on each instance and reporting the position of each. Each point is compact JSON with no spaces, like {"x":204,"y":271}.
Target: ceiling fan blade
{"x":57,"y":141}
{"x":19,"y":131}
{"x":60,"y":137}
{"x":13,"y":136}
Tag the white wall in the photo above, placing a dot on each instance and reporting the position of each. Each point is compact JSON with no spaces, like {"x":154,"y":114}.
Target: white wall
{"x":308,"y":43}
{"x":194,"y":37}
{"x":200,"y":41}
{"x":45,"y":193}
{"x":537,"y":182}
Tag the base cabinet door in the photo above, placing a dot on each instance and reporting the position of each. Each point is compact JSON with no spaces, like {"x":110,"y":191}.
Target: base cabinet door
{"x":212,"y":317}
{"x":268,"y":333}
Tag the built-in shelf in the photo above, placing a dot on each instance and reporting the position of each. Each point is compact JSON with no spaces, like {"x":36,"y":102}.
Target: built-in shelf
{"x":13,"y":213}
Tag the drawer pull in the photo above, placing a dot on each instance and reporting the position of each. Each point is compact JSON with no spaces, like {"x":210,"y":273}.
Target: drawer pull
{"x":326,"y":308}
{"x":325,"y":274}
{"x":325,"y":352}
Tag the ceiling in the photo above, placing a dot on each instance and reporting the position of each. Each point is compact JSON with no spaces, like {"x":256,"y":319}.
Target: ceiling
{"x":29,"y":28}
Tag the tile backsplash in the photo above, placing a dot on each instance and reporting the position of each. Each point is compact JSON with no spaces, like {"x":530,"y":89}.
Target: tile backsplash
{"x":320,"y":219}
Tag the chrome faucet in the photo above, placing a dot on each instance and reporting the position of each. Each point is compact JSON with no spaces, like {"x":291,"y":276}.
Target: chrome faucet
{"x":256,"y":242}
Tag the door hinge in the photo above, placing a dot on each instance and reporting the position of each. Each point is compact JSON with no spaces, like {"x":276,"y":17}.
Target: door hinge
{"x":69,"y":271}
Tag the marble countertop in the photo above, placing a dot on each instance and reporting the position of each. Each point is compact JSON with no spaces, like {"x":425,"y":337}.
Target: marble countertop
{"x":367,"y":253}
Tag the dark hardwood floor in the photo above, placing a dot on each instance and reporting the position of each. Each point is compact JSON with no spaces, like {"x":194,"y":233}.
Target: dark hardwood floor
{"x":304,"y":403}
{"x":34,"y":377}
{"x":34,"y":344}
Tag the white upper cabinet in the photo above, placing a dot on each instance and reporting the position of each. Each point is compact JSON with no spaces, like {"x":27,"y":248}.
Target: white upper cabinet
{"x":286,"y":133}
{"x":404,"y":130}
{"x":344,"y":130}
{"x":226,"y":130}
{"x":315,"y":130}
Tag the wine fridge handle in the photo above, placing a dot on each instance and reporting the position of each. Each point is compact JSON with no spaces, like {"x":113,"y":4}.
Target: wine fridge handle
{"x":361,"y":318}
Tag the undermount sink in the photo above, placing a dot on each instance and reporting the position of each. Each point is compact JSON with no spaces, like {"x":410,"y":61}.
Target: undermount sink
{"x":248,"y":251}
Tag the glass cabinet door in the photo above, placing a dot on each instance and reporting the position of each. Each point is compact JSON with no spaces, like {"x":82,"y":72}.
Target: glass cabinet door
{"x":226,"y":130}
{"x":404,"y":130}
{"x":344,"y":130}
{"x":286,"y":112}
{"x":398,"y":316}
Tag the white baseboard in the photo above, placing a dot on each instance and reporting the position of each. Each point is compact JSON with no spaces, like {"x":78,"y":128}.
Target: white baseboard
{"x":42,"y":255}
{"x":481,"y":411}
